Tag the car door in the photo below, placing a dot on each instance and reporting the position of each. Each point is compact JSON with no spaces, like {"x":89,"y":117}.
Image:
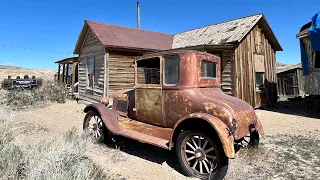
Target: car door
{"x":148,"y":92}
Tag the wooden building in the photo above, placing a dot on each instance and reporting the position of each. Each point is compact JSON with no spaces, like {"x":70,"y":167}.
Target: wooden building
{"x":310,"y":60}
{"x":247,"y":47}
{"x":106,"y":55}
{"x":290,"y":82}
{"x":68,"y":72}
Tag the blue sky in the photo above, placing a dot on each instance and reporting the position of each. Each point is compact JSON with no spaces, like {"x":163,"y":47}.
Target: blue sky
{"x":54,"y":25}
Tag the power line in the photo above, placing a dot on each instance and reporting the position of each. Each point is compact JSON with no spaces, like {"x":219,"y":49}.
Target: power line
{"x":40,"y":50}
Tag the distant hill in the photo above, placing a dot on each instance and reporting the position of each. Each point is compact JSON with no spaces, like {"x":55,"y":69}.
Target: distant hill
{"x":14,"y":71}
{"x":10,"y":67}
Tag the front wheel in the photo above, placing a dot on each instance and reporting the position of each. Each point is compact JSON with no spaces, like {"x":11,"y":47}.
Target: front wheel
{"x":201,"y":156}
{"x":94,"y":126}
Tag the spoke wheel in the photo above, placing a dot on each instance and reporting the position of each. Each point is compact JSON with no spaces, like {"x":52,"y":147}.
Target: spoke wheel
{"x":199,"y":155}
{"x":94,"y":126}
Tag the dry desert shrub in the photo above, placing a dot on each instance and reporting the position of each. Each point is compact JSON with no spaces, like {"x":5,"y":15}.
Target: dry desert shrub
{"x":11,"y":156}
{"x":49,"y":91}
{"x":63,"y":158}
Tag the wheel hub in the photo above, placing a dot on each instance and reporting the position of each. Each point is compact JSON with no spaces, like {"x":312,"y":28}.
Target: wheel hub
{"x":200,"y":155}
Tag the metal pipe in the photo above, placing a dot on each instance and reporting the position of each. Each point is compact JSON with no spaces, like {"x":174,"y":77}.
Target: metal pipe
{"x":138,"y":14}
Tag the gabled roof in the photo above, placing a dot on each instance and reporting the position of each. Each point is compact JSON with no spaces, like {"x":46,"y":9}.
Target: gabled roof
{"x":218,"y":34}
{"x":124,"y":37}
{"x":226,"y":32}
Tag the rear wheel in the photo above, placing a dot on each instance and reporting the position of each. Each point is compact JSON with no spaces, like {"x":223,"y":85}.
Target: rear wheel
{"x":94,"y":126}
{"x":199,"y":155}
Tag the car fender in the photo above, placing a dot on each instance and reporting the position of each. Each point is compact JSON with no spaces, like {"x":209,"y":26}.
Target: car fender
{"x":109,"y":116}
{"x":224,"y":133}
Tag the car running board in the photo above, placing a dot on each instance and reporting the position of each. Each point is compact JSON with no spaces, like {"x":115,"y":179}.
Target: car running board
{"x":145,"y":133}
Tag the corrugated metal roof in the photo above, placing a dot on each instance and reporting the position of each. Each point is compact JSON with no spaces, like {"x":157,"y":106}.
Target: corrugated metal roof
{"x":225,"y":32}
{"x":119,"y":36}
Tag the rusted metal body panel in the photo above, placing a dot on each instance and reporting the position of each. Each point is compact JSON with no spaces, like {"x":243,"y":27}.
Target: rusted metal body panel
{"x":179,"y":103}
{"x":220,"y":127}
{"x":149,"y":105}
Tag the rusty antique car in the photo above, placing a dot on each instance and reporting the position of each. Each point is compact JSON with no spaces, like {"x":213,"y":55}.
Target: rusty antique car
{"x":177,"y":103}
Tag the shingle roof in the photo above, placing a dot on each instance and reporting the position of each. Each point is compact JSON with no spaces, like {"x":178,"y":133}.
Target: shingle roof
{"x":217,"y":34}
{"x":226,"y":32}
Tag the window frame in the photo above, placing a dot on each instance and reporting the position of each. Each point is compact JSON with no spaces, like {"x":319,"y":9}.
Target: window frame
{"x":164,"y":66}
{"x":314,"y":60}
{"x":263,"y":81}
{"x":216,"y":73}
{"x":87,"y":72}
{"x":141,"y":85}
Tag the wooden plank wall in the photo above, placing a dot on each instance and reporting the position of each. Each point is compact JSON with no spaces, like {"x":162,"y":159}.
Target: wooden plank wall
{"x":312,"y":80}
{"x":121,"y":75}
{"x":91,"y":48}
{"x":227,"y":75}
{"x":253,"y":44}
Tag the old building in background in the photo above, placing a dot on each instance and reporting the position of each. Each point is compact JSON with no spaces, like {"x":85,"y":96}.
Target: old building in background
{"x":290,"y":81}
{"x":309,"y":37}
{"x":247,"y":48}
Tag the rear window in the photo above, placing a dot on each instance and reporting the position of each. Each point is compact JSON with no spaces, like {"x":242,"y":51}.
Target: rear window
{"x":208,"y":69}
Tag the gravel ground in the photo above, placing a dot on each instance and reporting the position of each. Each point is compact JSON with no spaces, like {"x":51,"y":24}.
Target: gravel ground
{"x":290,"y":148}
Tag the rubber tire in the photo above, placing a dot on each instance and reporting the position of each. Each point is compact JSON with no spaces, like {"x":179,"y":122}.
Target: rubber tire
{"x":104,"y":134}
{"x":223,"y":159}
{"x":254,"y":139}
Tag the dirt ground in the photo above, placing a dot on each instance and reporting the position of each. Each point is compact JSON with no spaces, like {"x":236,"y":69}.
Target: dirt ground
{"x":290,"y":148}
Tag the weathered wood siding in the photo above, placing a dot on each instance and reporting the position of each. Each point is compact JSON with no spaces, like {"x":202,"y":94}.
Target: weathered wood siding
{"x":312,"y":80}
{"x":91,"y":48}
{"x":227,"y":69}
{"x":255,"y":54}
{"x":290,"y":83}
{"x":121,"y":74}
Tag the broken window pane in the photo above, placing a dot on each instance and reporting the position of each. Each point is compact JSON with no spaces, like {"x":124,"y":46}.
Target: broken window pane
{"x":259,"y":80}
{"x":317,"y":59}
{"x":90,"y":70}
{"x":148,"y":71}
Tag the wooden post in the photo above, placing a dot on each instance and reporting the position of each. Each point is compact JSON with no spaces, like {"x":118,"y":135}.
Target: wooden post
{"x":63,"y":70}
{"x":106,"y":75}
{"x":59,"y":72}
{"x":67,"y":72}
{"x":73,"y":75}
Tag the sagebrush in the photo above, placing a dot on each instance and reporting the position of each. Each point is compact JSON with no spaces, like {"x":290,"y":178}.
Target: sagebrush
{"x":50,"y":91}
{"x":63,"y":158}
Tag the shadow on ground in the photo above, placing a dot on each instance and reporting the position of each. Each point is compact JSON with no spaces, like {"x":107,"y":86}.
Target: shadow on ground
{"x":144,"y":151}
{"x":298,"y":106}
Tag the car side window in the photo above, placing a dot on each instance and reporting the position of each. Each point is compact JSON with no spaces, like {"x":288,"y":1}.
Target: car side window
{"x":171,"y":69}
{"x":208,"y":69}
{"x":148,"y":71}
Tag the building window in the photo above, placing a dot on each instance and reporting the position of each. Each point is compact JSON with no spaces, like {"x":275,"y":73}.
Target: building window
{"x":208,"y":69}
{"x":259,"y":80}
{"x":317,"y":59}
{"x":90,"y":72}
{"x":148,"y":71}
{"x":172,"y":69}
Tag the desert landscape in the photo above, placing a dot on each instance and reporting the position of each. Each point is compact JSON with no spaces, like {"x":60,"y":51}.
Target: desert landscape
{"x":45,"y":134}
{"x":15,"y":71}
